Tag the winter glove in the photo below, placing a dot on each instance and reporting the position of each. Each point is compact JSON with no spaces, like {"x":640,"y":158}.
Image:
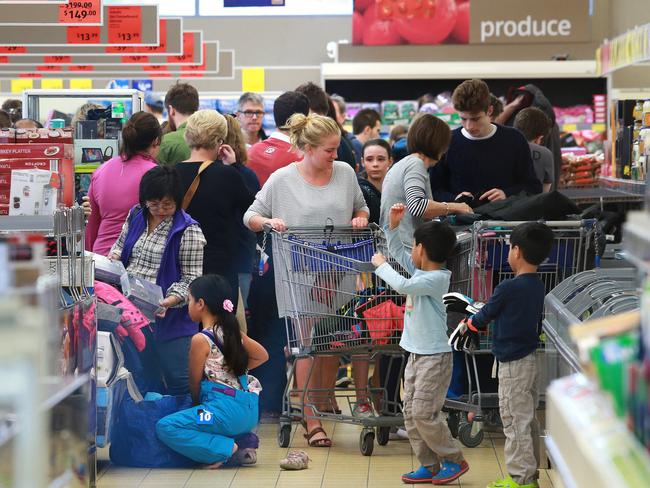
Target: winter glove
{"x":457,"y":302}
{"x":464,"y":337}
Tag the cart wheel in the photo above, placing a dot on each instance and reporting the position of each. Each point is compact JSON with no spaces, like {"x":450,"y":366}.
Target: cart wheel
{"x":465,"y":435}
{"x":284,"y":435}
{"x":383,"y":434}
{"x":453,"y":419}
{"x":367,"y":442}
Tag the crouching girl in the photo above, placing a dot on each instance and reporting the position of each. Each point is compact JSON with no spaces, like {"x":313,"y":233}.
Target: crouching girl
{"x":225,"y":397}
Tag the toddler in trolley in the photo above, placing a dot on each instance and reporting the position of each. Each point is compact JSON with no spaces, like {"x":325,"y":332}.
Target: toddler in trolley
{"x":224,"y":395}
{"x":516,"y":307}
{"x":428,"y":371}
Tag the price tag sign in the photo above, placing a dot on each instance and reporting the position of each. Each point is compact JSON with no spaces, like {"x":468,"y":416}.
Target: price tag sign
{"x":57,"y":59}
{"x":84,"y":35}
{"x":51,"y":84}
{"x":135,"y":59}
{"x":12,"y":50}
{"x":162,"y":44}
{"x":188,"y":50}
{"x":81,"y":68}
{"x":19,"y":86}
{"x":125,"y":25}
{"x":195,"y":70}
{"x":49,"y":68}
{"x":4,"y":59}
{"x":204,"y":417}
{"x":84,"y":12}
{"x":81,"y":84}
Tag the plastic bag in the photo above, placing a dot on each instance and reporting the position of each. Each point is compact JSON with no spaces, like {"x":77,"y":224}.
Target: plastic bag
{"x":134,"y":442}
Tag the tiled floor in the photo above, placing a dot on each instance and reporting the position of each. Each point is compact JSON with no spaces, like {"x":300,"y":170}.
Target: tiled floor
{"x":341,"y":466}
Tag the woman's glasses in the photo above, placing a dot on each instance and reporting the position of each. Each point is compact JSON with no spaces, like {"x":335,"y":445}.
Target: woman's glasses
{"x":160,"y":206}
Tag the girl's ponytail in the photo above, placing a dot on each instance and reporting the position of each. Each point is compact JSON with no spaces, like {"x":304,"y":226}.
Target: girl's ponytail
{"x":216,"y":291}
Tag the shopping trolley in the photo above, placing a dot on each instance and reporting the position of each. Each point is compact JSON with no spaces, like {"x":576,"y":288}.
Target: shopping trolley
{"x":334,"y":305}
{"x":483,"y":267}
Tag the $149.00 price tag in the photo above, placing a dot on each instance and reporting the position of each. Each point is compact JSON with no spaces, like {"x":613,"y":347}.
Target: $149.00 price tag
{"x":84,"y":12}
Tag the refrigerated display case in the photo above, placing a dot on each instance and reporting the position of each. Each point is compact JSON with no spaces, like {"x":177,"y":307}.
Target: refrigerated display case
{"x":44,"y":105}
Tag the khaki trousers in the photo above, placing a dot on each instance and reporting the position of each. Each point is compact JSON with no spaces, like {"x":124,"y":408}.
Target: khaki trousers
{"x":518,"y":400}
{"x":426,"y":380}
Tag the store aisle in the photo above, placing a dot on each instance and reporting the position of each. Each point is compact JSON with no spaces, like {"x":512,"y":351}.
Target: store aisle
{"x":341,"y":466}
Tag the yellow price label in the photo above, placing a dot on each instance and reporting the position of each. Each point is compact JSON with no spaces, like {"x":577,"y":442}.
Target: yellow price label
{"x":21,"y":84}
{"x":51,"y":84}
{"x":81,"y":84}
{"x":253,"y":80}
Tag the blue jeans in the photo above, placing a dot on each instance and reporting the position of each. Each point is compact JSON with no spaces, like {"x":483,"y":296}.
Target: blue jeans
{"x":174,"y":363}
{"x":212,"y":443}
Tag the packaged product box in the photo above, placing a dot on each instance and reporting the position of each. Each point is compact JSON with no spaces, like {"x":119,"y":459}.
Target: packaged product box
{"x":7,"y":136}
{"x":53,"y":157}
{"x":107,"y":271}
{"x":5,"y":181}
{"x":390,"y":112}
{"x":408,"y":110}
{"x":144,"y":294}
{"x":33,"y":192}
{"x":4,"y":209}
{"x":40,"y":136}
{"x":4,"y":197}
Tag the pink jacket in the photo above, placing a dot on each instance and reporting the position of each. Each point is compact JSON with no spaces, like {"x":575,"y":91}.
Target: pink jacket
{"x":113,"y":191}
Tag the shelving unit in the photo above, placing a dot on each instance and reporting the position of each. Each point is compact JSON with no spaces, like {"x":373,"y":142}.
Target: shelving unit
{"x":55,"y":420}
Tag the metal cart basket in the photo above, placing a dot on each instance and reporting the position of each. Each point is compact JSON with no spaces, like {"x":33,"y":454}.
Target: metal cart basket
{"x":334,"y":305}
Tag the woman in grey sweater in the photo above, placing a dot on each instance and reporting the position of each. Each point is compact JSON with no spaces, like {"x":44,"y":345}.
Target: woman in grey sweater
{"x":313,"y":192}
{"x":408,"y":181}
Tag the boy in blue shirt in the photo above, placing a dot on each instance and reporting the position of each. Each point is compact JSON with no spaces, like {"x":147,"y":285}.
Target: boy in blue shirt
{"x":516,"y":307}
{"x":428,"y":371}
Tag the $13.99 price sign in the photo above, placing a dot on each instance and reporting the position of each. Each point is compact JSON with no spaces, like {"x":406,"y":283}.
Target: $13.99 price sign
{"x":84,"y":12}
{"x":125,"y":25}
{"x":84,"y":35}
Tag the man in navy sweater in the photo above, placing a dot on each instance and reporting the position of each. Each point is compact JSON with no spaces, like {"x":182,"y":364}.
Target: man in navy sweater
{"x":485,"y":162}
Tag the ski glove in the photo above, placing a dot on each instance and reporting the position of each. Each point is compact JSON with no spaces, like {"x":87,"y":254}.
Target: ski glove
{"x":457,"y":302}
{"x":464,"y":337}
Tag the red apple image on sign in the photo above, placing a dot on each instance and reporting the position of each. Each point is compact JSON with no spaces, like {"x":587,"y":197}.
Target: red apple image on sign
{"x":427,"y":22}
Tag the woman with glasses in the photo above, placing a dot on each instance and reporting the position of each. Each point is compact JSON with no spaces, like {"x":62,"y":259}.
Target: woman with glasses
{"x":162,"y":244}
{"x":312,"y":192}
{"x":114,"y":185}
{"x":221,"y":197}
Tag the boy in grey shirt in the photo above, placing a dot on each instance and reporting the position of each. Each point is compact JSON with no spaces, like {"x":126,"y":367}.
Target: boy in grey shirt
{"x":535,"y":126}
{"x":428,"y":371}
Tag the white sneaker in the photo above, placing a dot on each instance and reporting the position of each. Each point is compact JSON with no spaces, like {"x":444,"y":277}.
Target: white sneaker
{"x":398,"y":435}
{"x":295,"y":461}
{"x":363,"y":410}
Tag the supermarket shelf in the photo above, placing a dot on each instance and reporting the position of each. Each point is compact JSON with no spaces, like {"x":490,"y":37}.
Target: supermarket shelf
{"x":592,"y":448}
{"x":636,"y":240}
{"x":458,"y":70}
{"x":62,"y":481}
{"x":57,"y":389}
{"x":630,"y":186}
{"x":559,"y":464}
{"x":574,"y":127}
{"x":32,"y":223}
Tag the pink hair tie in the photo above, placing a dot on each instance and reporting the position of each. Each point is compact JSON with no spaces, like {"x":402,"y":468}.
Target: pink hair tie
{"x":228,"y":306}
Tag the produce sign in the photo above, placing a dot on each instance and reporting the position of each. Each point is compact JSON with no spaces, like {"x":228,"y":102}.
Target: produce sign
{"x":390,"y":22}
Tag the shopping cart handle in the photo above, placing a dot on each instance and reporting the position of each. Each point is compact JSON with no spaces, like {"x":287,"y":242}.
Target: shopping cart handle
{"x":267,"y":228}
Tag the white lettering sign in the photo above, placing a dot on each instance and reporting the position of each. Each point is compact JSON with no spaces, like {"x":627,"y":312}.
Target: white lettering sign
{"x":527,"y":27}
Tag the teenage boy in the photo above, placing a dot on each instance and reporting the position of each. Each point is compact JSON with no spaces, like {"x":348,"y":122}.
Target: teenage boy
{"x":485,"y":162}
{"x":516,"y":308}
{"x":366,"y":125}
{"x":428,"y":371}
{"x":182,"y":100}
{"x":535,"y":125}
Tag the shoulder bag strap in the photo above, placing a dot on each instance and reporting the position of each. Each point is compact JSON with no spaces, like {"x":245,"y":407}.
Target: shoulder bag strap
{"x":189,"y":194}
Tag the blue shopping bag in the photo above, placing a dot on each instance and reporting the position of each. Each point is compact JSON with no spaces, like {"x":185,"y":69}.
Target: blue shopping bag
{"x":134,"y":442}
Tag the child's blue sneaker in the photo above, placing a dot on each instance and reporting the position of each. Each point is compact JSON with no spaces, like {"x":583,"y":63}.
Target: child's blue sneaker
{"x":449,"y":472}
{"x":421,"y":475}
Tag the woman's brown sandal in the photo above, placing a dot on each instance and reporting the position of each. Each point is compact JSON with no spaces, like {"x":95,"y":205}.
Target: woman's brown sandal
{"x":322,"y":442}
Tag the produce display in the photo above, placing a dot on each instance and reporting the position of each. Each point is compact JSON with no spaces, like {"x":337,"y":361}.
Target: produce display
{"x":393,"y":22}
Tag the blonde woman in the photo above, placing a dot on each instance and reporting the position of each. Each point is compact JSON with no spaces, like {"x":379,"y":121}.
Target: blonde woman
{"x":312,"y":192}
{"x":221,"y":197}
